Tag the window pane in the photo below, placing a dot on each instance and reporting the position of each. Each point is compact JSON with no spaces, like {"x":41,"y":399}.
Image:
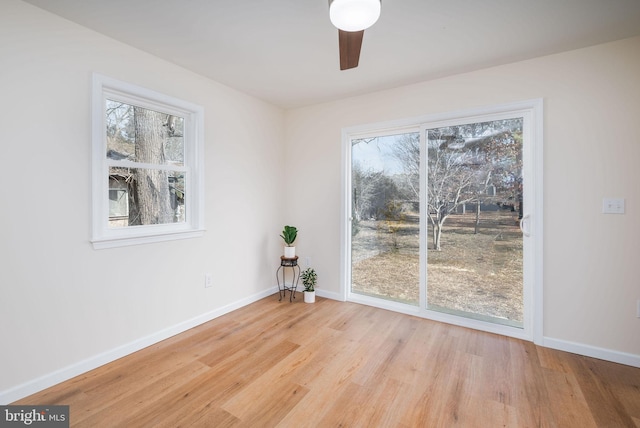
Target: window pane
{"x":141,"y":135}
{"x":118,"y":203}
{"x":147,"y":196}
{"x":474,"y":191}
{"x":385,"y":242}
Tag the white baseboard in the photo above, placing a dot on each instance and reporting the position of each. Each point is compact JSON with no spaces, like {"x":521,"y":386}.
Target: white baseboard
{"x":592,"y":351}
{"x":329,"y":295}
{"x":66,"y":373}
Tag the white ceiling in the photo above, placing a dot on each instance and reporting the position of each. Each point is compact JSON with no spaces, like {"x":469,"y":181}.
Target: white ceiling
{"x":286,"y":51}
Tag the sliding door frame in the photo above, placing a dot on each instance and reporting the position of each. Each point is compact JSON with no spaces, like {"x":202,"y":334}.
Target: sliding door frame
{"x":532,"y":113}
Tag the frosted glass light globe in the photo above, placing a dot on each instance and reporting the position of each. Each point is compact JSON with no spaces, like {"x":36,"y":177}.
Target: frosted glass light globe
{"x":354,"y":15}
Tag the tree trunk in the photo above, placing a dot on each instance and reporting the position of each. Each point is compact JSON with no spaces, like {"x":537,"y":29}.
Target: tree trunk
{"x":437,"y":229}
{"x":150,"y":191}
{"x":475,"y":231}
{"x":434,"y":236}
{"x":437,"y":235}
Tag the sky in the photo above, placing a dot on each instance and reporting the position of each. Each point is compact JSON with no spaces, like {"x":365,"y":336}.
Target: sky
{"x":376,"y":155}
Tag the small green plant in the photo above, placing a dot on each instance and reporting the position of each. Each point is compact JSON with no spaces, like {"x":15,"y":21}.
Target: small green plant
{"x":309,"y":279}
{"x":289,"y":234}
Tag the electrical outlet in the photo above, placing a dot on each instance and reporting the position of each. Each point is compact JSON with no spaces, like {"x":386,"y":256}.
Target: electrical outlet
{"x":307,"y":260}
{"x":208,"y":281}
{"x":638,"y":309}
{"x":613,"y":206}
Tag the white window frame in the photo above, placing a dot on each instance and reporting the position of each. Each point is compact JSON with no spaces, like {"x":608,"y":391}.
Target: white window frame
{"x":103,"y":236}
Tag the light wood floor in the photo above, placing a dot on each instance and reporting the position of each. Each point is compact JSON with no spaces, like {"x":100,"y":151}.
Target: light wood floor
{"x":335,"y":364}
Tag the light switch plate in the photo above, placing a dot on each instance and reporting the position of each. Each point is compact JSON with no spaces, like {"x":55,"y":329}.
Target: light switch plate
{"x":613,"y":206}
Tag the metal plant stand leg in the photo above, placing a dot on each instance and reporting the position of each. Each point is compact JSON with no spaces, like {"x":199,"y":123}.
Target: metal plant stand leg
{"x":280,"y":290}
{"x":283,"y":287}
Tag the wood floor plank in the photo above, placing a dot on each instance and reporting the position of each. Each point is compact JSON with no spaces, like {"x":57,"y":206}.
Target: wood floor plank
{"x":349,"y":408}
{"x":334,"y":363}
{"x":590,"y":380}
{"x":141,"y":396}
{"x":384,"y":343}
{"x":212,"y":389}
{"x":267,"y":409}
{"x":567,"y":403}
{"x":430,"y":401}
{"x":530,"y":393}
{"x":326,"y":377}
{"x":213,"y":417}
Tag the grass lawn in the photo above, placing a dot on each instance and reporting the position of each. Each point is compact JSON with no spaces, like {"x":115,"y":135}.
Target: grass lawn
{"x":474,"y":273}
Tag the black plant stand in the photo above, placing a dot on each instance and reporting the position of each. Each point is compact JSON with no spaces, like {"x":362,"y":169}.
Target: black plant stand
{"x":283,"y":286}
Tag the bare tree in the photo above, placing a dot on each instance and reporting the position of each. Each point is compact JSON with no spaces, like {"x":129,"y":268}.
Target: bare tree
{"x":407,"y":151}
{"x":371,"y":191}
{"x":451,"y":174}
{"x":462,"y":163}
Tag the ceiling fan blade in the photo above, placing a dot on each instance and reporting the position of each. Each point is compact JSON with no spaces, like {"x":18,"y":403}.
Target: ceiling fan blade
{"x":350,"y":43}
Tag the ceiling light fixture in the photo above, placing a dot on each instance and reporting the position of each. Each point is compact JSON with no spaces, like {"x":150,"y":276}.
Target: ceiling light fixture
{"x":354,"y":15}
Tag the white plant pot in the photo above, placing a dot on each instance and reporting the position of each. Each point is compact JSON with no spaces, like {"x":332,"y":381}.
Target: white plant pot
{"x":309,"y":296}
{"x":289,"y":252}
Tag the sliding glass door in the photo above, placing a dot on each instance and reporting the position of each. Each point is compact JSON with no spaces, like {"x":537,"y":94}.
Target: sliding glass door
{"x":439,"y":219}
{"x":474,"y":199}
{"x":385,"y":227}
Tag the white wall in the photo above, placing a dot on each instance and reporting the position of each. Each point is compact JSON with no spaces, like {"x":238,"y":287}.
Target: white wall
{"x":65,"y":306}
{"x":591,"y":150}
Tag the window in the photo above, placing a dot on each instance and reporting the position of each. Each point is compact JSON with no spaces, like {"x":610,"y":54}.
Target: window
{"x":147,"y":166}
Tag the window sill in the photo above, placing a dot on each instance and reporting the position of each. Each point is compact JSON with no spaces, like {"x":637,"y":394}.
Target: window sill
{"x":103,"y":243}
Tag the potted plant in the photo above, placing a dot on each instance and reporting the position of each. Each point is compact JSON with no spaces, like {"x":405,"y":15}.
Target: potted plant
{"x":289,"y":235}
{"x":309,"y":279}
